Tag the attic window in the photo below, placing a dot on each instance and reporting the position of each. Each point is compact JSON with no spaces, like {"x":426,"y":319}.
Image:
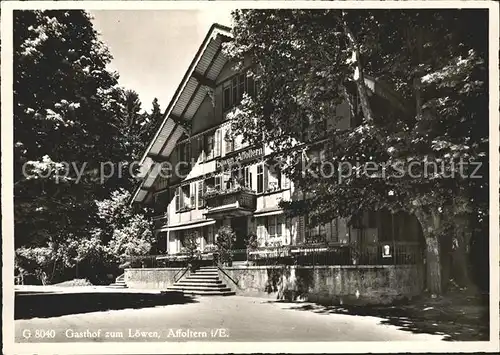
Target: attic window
{"x":233,"y":90}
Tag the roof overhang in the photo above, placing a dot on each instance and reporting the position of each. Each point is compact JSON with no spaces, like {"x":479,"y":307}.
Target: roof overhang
{"x":197,"y":82}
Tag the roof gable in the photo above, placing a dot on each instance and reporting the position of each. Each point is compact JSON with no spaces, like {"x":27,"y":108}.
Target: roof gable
{"x":198,"y":80}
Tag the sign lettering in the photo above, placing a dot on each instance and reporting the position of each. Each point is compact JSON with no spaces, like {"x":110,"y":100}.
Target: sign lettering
{"x":241,"y":157}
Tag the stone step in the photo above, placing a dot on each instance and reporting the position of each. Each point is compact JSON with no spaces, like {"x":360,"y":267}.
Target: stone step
{"x":198,"y":288}
{"x":200,"y":284}
{"x":203,"y":277}
{"x":202,"y":280}
{"x":205,"y":273}
{"x":205,"y":292}
{"x":117,"y":285}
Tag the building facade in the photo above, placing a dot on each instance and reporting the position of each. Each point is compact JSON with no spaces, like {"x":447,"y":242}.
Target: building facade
{"x":199,"y":177}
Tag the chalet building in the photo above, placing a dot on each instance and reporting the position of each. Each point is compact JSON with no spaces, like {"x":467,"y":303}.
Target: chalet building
{"x":228,"y":182}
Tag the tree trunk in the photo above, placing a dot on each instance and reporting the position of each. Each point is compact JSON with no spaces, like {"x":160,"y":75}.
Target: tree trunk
{"x":431,"y":222}
{"x":460,"y":263}
{"x":433,"y":279}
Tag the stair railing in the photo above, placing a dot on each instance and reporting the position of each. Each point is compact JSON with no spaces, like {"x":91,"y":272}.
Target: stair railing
{"x":225,"y":273}
{"x":183,"y":270}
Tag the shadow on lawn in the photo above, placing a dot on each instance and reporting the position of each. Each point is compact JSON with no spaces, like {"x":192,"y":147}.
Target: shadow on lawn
{"x":44,"y":305}
{"x":462,"y":323}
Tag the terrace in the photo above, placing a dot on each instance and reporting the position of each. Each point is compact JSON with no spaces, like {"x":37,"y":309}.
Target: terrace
{"x":382,"y":253}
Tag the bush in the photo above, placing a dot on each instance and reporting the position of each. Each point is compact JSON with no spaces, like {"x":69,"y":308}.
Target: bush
{"x":252,"y":242}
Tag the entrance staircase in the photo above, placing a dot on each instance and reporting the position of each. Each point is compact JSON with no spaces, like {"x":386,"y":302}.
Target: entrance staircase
{"x":204,"y":281}
{"x":119,"y":282}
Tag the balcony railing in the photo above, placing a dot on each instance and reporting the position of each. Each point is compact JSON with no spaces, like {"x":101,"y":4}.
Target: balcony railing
{"x":239,"y":197}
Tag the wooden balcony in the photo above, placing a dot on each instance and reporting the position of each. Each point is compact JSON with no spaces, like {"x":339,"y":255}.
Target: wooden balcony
{"x":230,"y":203}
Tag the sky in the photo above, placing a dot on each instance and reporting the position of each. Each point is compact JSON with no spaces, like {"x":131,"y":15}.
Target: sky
{"x":152,"y":49}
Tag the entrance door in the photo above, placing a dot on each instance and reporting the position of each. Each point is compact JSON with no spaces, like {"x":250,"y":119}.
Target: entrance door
{"x":240,"y":227}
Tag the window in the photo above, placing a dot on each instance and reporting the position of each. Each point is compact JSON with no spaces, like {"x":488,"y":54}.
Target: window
{"x":226,"y":98}
{"x":185,"y":196}
{"x":232,"y":91}
{"x":226,"y":180}
{"x":209,"y":146}
{"x":261,"y":178}
{"x":179,"y":200}
{"x":184,"y":152}
{"x":324,"y":232}
{"x":250,"y":85}
{"x":242,"y":177}
{"x":201,"y":148}
{"x":218,"y":182}
{"x":271,"y":227}
{"x":229,"y":141}
{"x":235,"y":86}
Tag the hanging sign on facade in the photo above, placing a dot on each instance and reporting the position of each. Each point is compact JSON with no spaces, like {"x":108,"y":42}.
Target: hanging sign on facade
{"x":240,"y":158}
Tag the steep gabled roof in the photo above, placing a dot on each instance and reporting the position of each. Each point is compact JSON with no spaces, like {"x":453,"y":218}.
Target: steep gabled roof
{"x":198,"y":79}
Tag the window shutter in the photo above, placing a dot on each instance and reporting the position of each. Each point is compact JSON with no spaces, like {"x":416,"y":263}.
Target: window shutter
{"x":266,"y":177}
{"x":217,"y":182}
{"x":177,"y":199}
{"x":218,"y":143}
{"x":248,"y":178}
{"x":192,"y":195}
{"x":200,"y":194}
{"x":280,"y":221}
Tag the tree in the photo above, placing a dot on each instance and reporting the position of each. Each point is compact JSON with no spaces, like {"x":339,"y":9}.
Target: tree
{"x":154,"y":121}
{"x":72,"y":125}
{"x":61,"y":125}
{"x":431,"y":70}
{"x":123,"y":231}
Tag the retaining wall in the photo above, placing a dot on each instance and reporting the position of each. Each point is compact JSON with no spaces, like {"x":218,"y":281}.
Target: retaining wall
{"x":152,"y":278}
{"x":323,"y":284}
{"x":328,"y":284}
